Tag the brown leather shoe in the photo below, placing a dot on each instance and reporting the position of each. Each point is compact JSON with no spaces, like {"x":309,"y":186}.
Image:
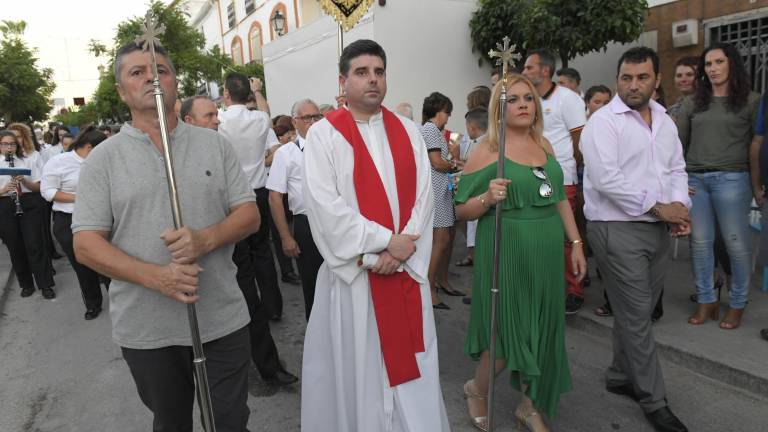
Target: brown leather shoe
{"x":704,"y":313}
{"x":732,"y":319}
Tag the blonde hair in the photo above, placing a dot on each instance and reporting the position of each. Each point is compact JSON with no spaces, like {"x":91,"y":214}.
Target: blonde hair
{"x":27,"y":145}
{"x":537,"y":127}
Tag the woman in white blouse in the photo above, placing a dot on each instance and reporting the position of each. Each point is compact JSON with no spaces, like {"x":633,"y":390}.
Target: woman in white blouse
{"x":58,"y":185}
{"x":23,"y":233}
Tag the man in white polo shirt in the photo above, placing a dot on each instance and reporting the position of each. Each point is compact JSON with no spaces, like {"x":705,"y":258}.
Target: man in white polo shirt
{"x":285,"y":177}
{"x":564,"y":117}
{"x":249,"y":133}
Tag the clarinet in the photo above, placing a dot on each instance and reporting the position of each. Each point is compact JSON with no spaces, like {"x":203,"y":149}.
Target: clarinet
{"x":16,"y":194}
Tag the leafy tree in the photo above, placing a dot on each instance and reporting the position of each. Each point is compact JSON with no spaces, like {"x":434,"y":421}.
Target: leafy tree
{"x":185,"y":46}
{"x":25,"y":88}
{"x":78,"y":116}
{"x":567,"y":27}
{"x":493,"y":20}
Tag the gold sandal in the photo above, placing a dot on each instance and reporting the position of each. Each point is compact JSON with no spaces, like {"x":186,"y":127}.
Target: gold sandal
{"x":480,"y":422}
{"x":525,"y":417}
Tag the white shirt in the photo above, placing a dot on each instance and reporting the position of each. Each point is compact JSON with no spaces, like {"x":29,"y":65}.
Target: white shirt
{"x":50,"y":152}
{"x":628,"y":166}
{"x":61,"y":173}
{"x":564,"y":111}
{"x":287,"y":172}
{"x":248,"y":132}
{"x":32,"y":161}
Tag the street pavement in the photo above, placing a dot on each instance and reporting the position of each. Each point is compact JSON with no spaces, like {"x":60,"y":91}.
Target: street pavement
{"x":61,"y":373}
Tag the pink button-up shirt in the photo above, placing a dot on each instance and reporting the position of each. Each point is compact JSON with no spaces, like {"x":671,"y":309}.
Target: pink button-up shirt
{"x":630,"y":166}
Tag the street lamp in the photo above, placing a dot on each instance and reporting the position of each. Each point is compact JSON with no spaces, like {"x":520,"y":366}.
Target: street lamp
{"x":278,"y":23}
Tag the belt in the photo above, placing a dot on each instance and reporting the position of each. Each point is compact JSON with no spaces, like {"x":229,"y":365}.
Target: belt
{"x":711,"y":170}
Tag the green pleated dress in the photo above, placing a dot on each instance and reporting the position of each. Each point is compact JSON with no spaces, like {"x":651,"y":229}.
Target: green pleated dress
{"x":531,"y":301}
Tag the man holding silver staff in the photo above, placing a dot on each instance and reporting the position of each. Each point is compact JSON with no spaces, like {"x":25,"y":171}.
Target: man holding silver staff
{"x":121,"y":224}
{"x":635,"y":196}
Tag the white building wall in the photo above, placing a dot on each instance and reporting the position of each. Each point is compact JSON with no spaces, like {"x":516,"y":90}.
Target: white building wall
{"x":428,"y":49}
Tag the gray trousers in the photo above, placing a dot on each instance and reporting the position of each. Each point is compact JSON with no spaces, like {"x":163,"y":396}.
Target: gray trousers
{"x":633,"y":259}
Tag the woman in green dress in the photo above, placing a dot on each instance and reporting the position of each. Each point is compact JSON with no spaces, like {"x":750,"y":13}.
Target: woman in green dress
{"x":536,"y":222}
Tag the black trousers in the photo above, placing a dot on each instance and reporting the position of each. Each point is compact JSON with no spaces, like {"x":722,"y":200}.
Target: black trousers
{"x":24,"y":236}
{"x":309,"y":260}
{"x":263,"y":349}
{"x":87,"y":278}
{"x":255,"y":261}
{"x":284,"y":261}
{"x":165,"y":382}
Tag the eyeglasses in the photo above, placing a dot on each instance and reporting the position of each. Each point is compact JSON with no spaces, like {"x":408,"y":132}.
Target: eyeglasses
{"x":545,"y":190}
{"x":9,"y":143}
{"x":310,"y":118}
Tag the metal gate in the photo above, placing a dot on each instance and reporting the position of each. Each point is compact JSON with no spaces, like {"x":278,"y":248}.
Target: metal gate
{"x":748,"y":32}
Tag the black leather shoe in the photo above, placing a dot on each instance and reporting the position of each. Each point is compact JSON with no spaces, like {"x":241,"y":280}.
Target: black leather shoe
{"x":92,"y":313}
{"x":281,"y":378}
{"x":664,"y":421}
{"x":48,"y":293}
{"x":626,"y":389}
{"x":764,"y":333}
{"x":291,"y":278}
{"x":27,"y":291}
{"x":440,"y":305}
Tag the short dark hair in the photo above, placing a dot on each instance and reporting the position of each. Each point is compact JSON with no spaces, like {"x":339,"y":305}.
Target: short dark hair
{"x":88,"y":135}
{"x":358,"y":48}
{"x":67,"y":136}
{"x":433,"y":104}
{"x":546,"y":58}
{"x":131,"y":47}
{"x":596,"y":89}
{"x":571,"y":73}
{"x":103,"y":128}
{"x":690,"y":61}
{"x":238,"y":86}
{"x":639,"y":55}
{"x":187,"y":104}
{"x":480,"y":96}
{"x":478,"y":117}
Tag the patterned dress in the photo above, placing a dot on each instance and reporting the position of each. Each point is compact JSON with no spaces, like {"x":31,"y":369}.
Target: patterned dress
{"x":445,"y":215}
{"x":531,"y":302}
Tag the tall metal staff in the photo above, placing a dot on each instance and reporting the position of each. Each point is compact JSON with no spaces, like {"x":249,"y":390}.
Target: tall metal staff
{"x":148,"y":40}
{"x":505,"y":55}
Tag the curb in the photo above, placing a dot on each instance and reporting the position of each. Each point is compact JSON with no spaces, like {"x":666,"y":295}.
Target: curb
{"x":7,"y":281}
{"x":695,"y":362}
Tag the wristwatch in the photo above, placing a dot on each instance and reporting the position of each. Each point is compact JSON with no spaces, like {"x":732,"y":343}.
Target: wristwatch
{"x":655,"y":211}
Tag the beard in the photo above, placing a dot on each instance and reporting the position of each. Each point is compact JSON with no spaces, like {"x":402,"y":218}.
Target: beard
{"x":635,"y":100}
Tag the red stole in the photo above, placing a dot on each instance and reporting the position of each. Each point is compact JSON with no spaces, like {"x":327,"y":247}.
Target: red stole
{"x":397,"y":297}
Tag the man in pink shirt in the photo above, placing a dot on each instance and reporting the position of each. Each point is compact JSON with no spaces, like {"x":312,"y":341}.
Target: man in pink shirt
{"x":635,"y":195}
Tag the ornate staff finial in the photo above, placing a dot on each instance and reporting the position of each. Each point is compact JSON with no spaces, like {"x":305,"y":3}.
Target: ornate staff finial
{"x":150,"y":31}
{"x":505,"y":56}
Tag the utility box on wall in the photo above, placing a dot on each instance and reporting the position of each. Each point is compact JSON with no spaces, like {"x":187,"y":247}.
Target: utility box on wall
{"x":685,"y":33}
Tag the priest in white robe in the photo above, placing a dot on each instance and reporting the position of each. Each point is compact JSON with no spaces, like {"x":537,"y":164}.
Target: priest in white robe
{"x":370,"y":351}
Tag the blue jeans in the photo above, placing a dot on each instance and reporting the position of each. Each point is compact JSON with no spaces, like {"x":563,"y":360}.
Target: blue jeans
{"x":721,"y":197}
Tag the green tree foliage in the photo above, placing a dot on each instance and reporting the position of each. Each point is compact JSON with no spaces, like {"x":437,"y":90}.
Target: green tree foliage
{"x":25,"y":88}
{"x":493,"y":20}
{"x":78,"y":116}
{"x":185,"y":46}
{"x":567,"y":27}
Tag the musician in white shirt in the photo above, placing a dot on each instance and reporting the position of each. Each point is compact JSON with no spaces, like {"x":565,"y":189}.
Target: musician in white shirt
{"x":58,"y":185}
{"x":20,"y":226}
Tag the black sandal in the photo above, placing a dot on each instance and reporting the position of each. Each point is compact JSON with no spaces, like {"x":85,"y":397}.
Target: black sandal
{"x":466,"y":262}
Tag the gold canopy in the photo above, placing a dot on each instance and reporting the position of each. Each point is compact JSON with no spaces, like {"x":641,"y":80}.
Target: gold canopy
{"x":346,"y":12}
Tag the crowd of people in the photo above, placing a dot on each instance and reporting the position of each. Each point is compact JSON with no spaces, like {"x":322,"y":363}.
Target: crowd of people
{"x":366,"y":204}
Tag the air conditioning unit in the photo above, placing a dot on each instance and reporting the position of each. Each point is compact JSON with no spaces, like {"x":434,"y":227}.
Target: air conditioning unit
{"x":685,"y":33}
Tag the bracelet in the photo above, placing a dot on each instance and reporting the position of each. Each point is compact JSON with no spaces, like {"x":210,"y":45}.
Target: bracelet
{"x":575,"y":242}
{"x":482,"y":201}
